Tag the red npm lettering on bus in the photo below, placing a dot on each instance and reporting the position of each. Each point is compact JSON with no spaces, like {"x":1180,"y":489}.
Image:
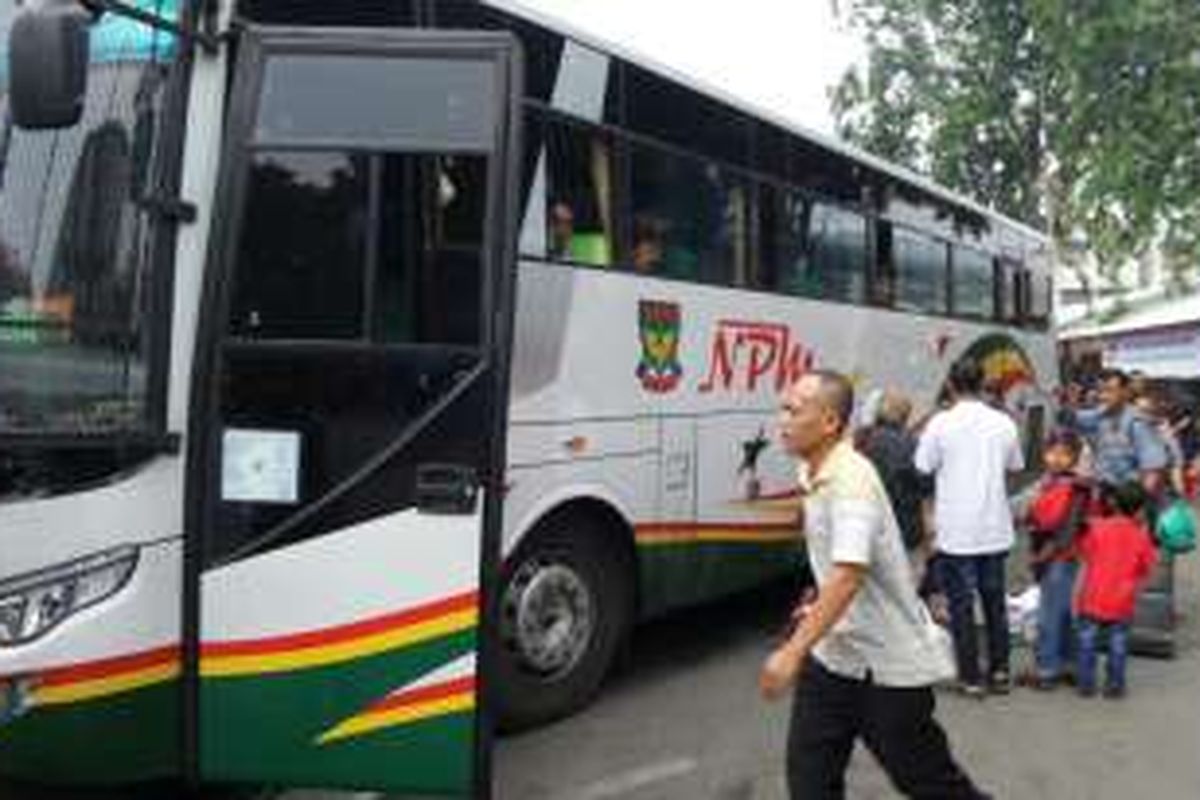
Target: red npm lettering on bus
{"x":745,"y":354}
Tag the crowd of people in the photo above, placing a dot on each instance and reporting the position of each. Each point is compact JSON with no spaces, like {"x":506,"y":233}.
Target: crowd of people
{"x":907,"y":526}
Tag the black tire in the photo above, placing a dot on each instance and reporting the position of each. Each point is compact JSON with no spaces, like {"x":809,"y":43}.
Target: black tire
{"x":579,"y":544}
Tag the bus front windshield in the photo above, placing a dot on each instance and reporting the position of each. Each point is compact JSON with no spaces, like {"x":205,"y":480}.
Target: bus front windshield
{"x":77,"y":242}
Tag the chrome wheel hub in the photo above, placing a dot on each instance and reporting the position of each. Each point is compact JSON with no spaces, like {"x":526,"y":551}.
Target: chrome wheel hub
{"x":547,"y":617}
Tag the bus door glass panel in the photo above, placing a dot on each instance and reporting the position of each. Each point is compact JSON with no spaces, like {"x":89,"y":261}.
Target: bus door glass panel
{"x":356,"y":307}
{"x":353,"y":416}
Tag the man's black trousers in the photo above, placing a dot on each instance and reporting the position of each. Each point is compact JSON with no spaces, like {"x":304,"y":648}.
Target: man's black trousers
{"x":897,"y":726}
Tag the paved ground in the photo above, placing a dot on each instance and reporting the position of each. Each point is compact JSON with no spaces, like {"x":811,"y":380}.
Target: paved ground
{"x":685,"y":723}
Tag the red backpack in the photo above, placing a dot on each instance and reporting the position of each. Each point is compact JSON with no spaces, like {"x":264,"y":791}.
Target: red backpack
{"x":1052,"y":506}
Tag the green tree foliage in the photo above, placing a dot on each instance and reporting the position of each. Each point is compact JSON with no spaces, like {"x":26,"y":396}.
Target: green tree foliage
{"x":1073,"y":115}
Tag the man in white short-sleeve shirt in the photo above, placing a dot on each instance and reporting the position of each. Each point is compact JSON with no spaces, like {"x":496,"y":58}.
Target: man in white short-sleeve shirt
{"x":970,"y":448}
{"x":864,"y":654}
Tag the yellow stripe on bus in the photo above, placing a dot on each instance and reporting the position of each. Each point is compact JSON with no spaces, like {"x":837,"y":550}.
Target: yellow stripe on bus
{"x":367,"y":723}
{"x":746,"y":536}
{"x":322,"y":655}
{"x":716,"y":536}
{"x":102,"y":687}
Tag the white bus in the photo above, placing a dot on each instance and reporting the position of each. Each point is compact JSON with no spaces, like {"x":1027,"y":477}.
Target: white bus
{"x":356,"y":356}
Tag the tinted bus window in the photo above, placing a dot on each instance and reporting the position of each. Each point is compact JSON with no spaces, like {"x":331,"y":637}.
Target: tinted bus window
{"x":302,"y":251}
{"x":920,"y":270}
{"x":664,"y":110}
{"x":796,"y":270}
{"x":1040,"y":298}
{"x":1008,"y":288}
{"x":974,"y":283}
{"x":338,"y":247}
{"x":542,"y":48}
{"x":579,"y":192}
{"x":689,"y":218}
{"x":362,"y":13}
{"x":838,"y":252}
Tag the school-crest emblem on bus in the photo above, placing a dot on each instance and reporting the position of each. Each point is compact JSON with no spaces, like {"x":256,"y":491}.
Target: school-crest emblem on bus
{"x":658,"y":323}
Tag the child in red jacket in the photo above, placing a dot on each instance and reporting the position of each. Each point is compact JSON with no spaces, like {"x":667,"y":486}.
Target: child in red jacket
{"x":1117,"y":555}
{"x":1055,"y":521}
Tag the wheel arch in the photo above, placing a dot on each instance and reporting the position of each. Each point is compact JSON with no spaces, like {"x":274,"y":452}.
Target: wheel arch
{"x":596,"y":502}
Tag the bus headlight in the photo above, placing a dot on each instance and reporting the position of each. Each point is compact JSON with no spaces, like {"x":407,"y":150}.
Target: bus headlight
{"x":31,"y":605}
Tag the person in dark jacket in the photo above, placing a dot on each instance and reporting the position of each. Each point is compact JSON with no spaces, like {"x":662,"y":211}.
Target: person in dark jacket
{"x":889,"y":445}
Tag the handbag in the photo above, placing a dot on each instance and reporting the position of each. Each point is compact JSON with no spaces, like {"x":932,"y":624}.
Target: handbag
{"x":1176,"y":528}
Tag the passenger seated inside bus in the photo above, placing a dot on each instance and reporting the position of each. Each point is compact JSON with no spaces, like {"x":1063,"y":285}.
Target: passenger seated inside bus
{"x":570,"y":240}
{"x":648,"y":235}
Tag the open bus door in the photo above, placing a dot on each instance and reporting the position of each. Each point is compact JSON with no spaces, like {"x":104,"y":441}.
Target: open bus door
{"x":349,"y":412}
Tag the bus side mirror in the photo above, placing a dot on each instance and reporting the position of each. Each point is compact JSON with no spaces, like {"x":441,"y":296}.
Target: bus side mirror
{"x":48,"y":66}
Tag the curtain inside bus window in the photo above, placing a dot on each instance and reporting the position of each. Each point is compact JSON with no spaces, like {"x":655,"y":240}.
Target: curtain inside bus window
{"x":735,"y":233}
{"x":974,"y":292}
{"x":766,"y":264}
{"x":1008,"y":287}
{"x":920,"y":264}
{"x":579,"y":188}
{"x":795,"y":273}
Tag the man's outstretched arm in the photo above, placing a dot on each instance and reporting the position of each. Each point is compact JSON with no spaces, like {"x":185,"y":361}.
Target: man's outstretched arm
{"x":783,"y":666}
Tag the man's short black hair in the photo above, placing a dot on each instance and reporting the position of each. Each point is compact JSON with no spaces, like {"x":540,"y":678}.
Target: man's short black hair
{"x":838,"y":393}
{"x":966,"y":376}
{"x":1128,"y":498}
{"x":1117,"y":375}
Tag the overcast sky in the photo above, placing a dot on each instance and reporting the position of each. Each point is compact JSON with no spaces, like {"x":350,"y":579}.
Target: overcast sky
{"x":783,"y":54}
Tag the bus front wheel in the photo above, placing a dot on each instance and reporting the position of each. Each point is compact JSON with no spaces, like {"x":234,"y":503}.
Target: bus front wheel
{"x":565,"y":604}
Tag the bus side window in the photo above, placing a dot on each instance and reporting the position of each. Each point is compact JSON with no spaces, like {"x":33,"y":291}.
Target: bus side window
{"x":973,"y":275}
{"x":883,"y":279}
{"x":579,"y":207}
{"x":795,"y":274}
{"x":725,"y":257}
{"x":663,"y":200}
{"x":921,"y":271}
{"x":690,"y":218}
{"x":1040,"y":299}
{"x":765,"y":266}
{"x":839,"y":252}
{"x":1008,"y":290}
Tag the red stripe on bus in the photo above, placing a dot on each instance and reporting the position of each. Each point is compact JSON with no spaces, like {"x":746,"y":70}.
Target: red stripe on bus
{"x":342,"y":633}
{"x":108,"y":667}
{"x":423,"y":695}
